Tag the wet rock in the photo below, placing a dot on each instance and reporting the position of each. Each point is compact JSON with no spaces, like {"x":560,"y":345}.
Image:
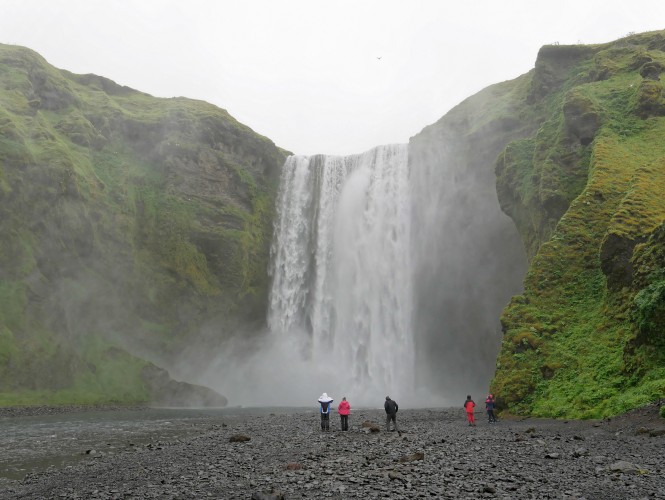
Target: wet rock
{"x":359,"y":465}
{"x":413,"y":457}
{"x":624,"y":467}
{"x":271,"y":495}
{"x":239,"y":438}
{"x":370,"y":426}
{"x":392,"y":475}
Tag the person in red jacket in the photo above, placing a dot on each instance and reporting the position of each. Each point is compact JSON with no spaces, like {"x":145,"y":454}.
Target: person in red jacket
{"x":344,"y":408}
{"x":469,"y":405}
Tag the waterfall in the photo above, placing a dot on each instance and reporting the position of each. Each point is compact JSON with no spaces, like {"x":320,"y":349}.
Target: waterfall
{"x":341,"y":267}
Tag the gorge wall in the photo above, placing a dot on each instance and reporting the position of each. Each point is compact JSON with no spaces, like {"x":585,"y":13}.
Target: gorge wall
{"x":586,"y":191}
{"x":137,"y":230}
{"x":128,"y":224}
{"x":577,"y":150}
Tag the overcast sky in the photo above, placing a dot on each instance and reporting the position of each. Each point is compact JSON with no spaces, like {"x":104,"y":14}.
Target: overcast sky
{"x":335,"y":77}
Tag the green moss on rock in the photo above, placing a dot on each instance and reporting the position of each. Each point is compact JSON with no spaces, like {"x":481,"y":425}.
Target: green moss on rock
{"x":595,"y":278}
{"x":123,"y":217}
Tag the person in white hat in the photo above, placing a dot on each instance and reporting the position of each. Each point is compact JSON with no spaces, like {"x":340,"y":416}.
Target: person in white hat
{"x":325,"y":403}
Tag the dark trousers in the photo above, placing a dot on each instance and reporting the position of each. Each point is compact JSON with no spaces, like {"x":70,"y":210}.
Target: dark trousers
{"x":389,"y":417}
{"x":345,"y":422}
{"x":490,"y":416}
{"x":325,"y":421}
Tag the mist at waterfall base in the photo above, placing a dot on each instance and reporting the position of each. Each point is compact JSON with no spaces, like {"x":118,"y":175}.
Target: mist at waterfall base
{"x":381,"y":286}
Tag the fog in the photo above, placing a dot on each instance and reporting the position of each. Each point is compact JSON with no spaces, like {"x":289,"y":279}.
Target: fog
{"x":390,"y":270}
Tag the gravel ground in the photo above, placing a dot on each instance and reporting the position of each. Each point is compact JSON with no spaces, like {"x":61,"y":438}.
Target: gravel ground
{"x":436,"y":455}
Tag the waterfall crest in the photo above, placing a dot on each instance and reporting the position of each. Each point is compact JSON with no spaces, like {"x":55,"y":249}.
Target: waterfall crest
{"x":341,"y":268}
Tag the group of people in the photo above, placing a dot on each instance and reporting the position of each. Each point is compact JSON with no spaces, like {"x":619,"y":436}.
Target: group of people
{"x":469,"y":406}
{"x":391,"y":407}
{"x":344,"y":408}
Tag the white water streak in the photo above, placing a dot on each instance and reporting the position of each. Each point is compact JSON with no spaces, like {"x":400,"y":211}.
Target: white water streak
{"x":341,"y":266}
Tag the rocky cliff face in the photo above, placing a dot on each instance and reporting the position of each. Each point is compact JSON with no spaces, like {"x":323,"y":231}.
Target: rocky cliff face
{"x":576,"y":146}
{"x":127,"y":223}
{"x":587,"y":193}
{"x":130,"y":224}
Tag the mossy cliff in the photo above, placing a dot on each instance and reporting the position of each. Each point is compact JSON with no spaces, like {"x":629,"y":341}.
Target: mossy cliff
{"x":575,"y":151}
{"x":128,"y":223}
{"x":586,"y":190}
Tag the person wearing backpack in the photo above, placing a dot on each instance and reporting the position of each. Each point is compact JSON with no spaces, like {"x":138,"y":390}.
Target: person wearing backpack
{"x":489,"y":406}
{"x":325,"y":403}
{"x":391,"y":412}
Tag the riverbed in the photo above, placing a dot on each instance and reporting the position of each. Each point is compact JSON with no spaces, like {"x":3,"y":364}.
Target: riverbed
{"x":170,"y":453}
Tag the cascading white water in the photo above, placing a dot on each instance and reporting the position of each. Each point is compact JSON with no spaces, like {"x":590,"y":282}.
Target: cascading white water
{"x":341,"y":268}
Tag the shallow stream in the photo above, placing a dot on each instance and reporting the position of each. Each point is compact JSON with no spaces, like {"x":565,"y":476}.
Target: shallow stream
{"x":34,"y":443}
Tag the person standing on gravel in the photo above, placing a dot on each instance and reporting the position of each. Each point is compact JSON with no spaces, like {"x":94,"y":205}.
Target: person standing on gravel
{"x":469,"y":405}
{"x":325,"y":403}
{"x":391,"y":412}
{"x":344,"y":409}
{"x":489,"y":406}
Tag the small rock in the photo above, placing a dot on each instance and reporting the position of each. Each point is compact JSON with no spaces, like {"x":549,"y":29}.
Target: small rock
{"x":553,"y":456}
{"x":489,"y":489}
{"x":624,"y":467}
{"x":239,"y":438}
{"x":271,"y":495}
{"x":413,"y":457}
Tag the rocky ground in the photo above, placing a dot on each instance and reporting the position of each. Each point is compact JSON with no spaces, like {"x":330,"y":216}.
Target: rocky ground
{"x":436,"y":455}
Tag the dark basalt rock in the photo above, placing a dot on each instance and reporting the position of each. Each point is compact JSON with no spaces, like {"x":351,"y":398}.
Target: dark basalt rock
{"x":165,"y":391}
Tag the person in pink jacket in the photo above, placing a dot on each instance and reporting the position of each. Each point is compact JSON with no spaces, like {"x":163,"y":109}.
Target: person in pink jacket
{"x":344,"y":408}
{"x":469,"y":406}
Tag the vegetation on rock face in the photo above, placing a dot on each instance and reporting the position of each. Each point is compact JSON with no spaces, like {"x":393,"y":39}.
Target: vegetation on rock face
{"x":130,"y":223}
{"x":587,"y":192}
{"x":126,"y":223}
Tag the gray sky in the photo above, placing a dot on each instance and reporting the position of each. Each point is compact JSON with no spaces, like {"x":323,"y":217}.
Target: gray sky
{"x":306,"y":74}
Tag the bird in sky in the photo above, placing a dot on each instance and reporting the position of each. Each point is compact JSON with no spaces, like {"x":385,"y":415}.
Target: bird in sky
{"x":379,"y":57}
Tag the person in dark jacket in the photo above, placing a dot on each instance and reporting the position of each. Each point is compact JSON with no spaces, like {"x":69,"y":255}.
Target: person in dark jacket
{"x":391,"y":412}
{"x":489,"y":406}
